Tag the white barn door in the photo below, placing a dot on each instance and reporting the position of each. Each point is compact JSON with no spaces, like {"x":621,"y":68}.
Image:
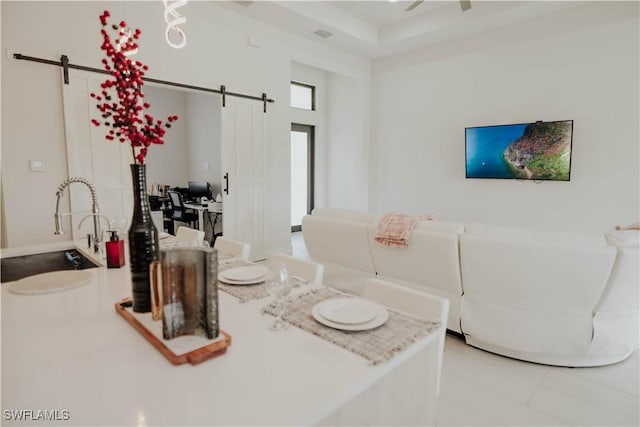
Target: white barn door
{"x":243,"y":173}
{"x":90,"y":155}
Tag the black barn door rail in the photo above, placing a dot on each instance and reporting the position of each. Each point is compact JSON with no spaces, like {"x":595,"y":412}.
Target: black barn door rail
{"x":64,"y":63}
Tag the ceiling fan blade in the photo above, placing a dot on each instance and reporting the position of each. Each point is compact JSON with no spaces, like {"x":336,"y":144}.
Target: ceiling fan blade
{"x":465,"y":5}
{"x":414,"y":5}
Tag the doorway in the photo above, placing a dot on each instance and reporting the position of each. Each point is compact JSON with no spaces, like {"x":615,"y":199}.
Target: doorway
{"x":302,"y":161}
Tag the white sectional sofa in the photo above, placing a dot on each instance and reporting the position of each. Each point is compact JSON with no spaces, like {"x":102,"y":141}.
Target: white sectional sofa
{"x":568,"y":299}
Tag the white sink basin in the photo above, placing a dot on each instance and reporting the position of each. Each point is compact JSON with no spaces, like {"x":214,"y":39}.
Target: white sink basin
{"x":54,"y":281}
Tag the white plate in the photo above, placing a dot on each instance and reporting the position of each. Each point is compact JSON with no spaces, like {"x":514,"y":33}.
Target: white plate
{"x":244,"y":273}
{"x":350,"y":311}
{"x":163,"y":235}
{"x":380,"y":319}
{"x":240,"y":282}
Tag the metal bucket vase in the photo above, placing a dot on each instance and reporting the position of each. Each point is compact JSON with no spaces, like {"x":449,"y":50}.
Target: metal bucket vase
{"x":143,"y":241}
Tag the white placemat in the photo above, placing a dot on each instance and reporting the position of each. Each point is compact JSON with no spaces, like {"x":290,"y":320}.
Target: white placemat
{"x":376,"y":345}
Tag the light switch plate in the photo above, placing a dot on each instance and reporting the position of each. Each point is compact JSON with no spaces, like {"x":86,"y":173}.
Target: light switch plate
{"x":36,"y":166}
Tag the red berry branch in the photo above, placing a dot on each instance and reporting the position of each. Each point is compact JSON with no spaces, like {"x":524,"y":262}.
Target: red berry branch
{"x":123,"y":115}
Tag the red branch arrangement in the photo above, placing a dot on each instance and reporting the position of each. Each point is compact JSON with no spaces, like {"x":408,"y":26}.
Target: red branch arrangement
{"x":124,"y":116}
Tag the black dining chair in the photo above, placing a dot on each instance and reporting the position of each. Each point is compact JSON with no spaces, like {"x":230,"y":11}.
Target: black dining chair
{"x":179,"y":212}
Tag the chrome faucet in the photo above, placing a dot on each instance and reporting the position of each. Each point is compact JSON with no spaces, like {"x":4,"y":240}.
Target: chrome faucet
{"x":96,"y":217}
{"x":95,"y":214}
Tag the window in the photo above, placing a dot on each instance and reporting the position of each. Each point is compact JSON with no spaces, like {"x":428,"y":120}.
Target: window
{"x":303,"y":96}
{"x":302,"y":161}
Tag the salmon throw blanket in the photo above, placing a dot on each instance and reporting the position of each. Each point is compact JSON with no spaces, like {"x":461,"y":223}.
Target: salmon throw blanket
{"x":394,"y":229}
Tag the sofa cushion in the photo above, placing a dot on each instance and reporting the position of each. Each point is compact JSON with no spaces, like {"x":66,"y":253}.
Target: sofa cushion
{"x":433,"y":225}
{"x":527,"y":234}
{"x":624,"y":238}
{"x":341,"y":242}
{"x":430,"y":263}
{"x":534,"y":275}
{"x":441,"y":226}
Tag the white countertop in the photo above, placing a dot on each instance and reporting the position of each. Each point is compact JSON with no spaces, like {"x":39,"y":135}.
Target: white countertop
{"x":72,"y":351}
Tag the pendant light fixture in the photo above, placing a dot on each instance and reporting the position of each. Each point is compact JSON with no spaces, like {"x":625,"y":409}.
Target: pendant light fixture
{"x":173,"y":34}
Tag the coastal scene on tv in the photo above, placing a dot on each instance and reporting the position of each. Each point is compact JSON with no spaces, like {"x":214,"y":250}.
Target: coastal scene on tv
{"x":535,"y":151}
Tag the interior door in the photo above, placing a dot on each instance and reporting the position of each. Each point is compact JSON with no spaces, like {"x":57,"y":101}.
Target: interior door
{"x":91,"y":156}
{"x":243,"y":171}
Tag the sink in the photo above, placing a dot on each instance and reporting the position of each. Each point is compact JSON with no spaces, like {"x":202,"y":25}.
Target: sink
{"x":54,"y":281}
{"x":19,"y":267}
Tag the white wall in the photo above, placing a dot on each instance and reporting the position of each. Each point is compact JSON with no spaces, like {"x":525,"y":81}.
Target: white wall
{"x":579,"y":64}
{"x":217,"y":53}
{"x":348,"y":142}
{"x":167,"y":164}
{"x":341,"y":122}
{"x":192,"y":142}
{"x":204,"y":138}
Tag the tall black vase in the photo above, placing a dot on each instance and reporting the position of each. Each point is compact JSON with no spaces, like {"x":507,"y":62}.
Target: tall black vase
{"x":143,"y":241}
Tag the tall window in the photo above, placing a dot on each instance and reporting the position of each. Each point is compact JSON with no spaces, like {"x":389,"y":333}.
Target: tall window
{"x":303,"y":96}
{"x":301,"y":173}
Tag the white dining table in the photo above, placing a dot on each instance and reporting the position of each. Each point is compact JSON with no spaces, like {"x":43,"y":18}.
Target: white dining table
{"x":70,"y":351}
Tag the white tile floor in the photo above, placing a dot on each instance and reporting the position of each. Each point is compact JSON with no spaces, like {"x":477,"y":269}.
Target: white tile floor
{"x":480,"y":388}
{"x":484,"y":389}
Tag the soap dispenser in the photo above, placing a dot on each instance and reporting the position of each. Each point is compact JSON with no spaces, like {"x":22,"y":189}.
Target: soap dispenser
{"x":115,"y":251}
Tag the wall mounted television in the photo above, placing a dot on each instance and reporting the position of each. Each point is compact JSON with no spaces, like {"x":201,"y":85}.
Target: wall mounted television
{"x":530,"y":151}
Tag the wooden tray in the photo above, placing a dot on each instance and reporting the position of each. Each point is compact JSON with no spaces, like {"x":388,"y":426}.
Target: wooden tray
{"x":194,"y":357}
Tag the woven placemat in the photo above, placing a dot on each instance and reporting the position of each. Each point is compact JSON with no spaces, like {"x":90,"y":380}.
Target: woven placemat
{"x":376,"y":345}
{"x":246,"y":293}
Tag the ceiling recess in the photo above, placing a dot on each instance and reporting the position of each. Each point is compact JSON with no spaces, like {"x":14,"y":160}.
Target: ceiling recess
{"x":464,"y":5}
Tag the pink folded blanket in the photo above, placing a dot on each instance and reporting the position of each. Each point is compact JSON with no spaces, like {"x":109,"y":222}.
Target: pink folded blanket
{"x":394,"y":229}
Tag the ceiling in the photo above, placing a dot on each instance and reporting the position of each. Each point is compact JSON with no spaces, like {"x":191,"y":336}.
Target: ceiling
{"x":385,"y":13}
{"x":379,"y":28}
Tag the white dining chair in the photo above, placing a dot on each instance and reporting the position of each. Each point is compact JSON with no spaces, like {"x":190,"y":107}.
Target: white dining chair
{"x":189,"y":236}
{"x":236,"y":248}
{"x":416,"y":303}
{"x":418,"y":368}
{"x":303,"y":269}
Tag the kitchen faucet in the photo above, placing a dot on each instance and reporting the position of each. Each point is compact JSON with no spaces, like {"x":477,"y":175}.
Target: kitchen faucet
{"x":97,"y":232}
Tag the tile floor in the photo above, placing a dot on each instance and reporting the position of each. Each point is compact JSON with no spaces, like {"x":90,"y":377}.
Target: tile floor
{"x":484,"y":389}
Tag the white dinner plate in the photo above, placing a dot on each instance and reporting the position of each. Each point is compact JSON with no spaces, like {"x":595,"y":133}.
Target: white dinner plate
{"x":240,"y":282}
{"x":350,"y":311}
{"x":247,"y":272}
{"x":381,"y":317}
{"x":243,"y":275}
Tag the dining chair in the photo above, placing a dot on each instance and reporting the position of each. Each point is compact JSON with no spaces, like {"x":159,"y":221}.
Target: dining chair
{"x":189,"y":236}
{"x":179,"y":212}
{"x":304,"y":269}
{"x":419,"y":304}
{"x":234,"y":247}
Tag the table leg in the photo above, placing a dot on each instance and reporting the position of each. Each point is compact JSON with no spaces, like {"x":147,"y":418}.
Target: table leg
{"x":201,"y":219}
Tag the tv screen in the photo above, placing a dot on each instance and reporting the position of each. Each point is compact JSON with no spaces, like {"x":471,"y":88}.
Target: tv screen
{"x":535,"y":151}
